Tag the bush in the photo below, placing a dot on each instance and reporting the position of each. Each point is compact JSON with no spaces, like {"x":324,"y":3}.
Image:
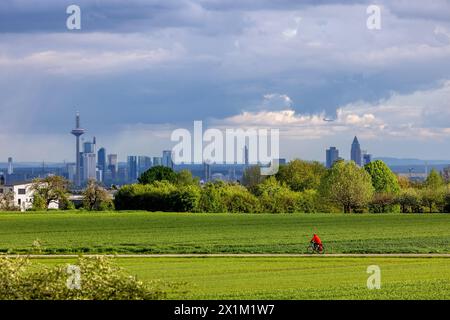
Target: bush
{"x":277,"y":198}
{"x":185,"y":198}
{"x":221,"y":197}
{"x":157,"y":196}
{"x":409,"y":201}
{"x":383,"y":202}
{"x":446,"y":206}
{"x":433,"y":199}
{"x":238,"y":199}
{"x":99,"y":280}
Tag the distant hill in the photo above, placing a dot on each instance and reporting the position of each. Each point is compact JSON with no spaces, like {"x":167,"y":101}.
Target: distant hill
{"x":412,"y":162}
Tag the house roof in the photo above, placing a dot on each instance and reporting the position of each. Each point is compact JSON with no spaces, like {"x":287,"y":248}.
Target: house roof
{"x":17,"y":183}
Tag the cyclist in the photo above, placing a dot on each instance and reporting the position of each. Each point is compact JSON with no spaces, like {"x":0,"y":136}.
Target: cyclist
{"x":317,"y":242}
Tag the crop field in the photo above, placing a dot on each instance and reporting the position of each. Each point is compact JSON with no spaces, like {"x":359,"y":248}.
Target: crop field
{"x":292,"y":278}
{"x":144,"y":232}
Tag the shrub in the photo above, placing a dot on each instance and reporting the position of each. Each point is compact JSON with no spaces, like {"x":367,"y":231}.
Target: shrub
{"x":383,"y":202}
{"x":409,"y":201}
{"x":239,"y":200}
{"x":433,"y":199}
{"x":211,"y":198}
{"x":185,"y":198}
{"x":222,"y":197}
{"x":151,"y":197}
{"x":158,"y":196}
{"x":446,"y":205}
{"x":278,"y":198}
{"x":99,"y":280}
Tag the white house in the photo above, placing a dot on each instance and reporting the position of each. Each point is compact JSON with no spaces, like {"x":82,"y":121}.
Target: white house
{"x":23,"y":195}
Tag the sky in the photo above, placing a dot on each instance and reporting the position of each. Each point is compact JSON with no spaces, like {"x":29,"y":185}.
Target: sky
{"x":137,"y":70}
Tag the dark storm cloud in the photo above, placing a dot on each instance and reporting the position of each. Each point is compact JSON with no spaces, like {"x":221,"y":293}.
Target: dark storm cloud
{"x":138,"y":15}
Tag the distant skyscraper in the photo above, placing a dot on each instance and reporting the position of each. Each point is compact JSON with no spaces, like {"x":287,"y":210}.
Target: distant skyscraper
{"x":77,"y":132}
{"x":167,"y":159}
{"x":144,"y":163}
{"x":157,"y":161}
{"x":356,"y":154}
{"x":88,"y":147}
{"x":132,"y":168}
{"x":89,"y":166}
{"x":332,"y":155}
{"x":207,"y":171}
{"x":71,"y":171}
{"x":246,"y":160}
{"x":367,"y":158}
{"x":113,"y":165}
{"x":10,"y":166}
{"x":101,"y":159}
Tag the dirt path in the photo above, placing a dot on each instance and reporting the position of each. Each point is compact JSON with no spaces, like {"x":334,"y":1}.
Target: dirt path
{"x":242,"y":255}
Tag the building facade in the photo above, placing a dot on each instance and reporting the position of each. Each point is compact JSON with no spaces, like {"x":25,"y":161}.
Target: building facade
{"x":332,"y":155}
{"x":356,"y":154}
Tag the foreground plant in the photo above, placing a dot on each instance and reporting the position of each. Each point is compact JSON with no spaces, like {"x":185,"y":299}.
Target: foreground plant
{"x":89,"y":279}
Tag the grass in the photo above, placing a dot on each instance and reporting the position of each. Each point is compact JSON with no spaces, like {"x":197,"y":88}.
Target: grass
{"x":293,"y":278}
{"x":144,"y":232}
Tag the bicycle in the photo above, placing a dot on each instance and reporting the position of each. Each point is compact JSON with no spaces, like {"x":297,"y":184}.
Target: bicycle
{"x":315,"y":248}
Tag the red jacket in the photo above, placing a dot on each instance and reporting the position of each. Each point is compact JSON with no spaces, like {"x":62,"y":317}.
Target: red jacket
{"x":316,"y":239}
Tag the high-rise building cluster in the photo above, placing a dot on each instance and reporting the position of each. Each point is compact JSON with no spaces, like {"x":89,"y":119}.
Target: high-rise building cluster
{"x":91,"y":164}
{"x":360,"y":157}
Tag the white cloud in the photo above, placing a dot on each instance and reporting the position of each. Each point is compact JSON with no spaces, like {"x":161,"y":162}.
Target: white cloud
{"x":418,"y":115}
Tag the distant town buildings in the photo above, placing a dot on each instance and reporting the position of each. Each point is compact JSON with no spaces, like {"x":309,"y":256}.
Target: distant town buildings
{"x":22,"y":194}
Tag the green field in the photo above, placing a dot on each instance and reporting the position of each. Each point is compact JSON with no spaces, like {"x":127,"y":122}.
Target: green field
{"x":292,"y":278}
{"x":144,"y":232}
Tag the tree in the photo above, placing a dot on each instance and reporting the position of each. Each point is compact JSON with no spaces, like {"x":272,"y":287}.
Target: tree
{"x":301,"y":175}
{"x":383,"y":179}
{"x":403,"y":182}
{"x":7,"y":201}
{"x":409,"y":200}
{"x":383,"y":202}
{"x":434,"y":180}
{"x":96,"y":198}
{"x":185,"y":178}
{"x":433,"y":198}
{"x":52,"y":189}
{"x":252,"y":177}
{"x":446,"y":174}
{"x":347,"y":185}
{"x":158,"y":173}
{"x":278,"y":198}
{"x":386,"y":186}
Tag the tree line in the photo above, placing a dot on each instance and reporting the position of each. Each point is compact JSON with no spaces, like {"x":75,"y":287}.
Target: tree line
{"x":299,"y":186}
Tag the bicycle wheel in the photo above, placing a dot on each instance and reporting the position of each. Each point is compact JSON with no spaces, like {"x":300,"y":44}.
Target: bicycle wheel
{"x":322,"y":251}
{"x":310,"y":249}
